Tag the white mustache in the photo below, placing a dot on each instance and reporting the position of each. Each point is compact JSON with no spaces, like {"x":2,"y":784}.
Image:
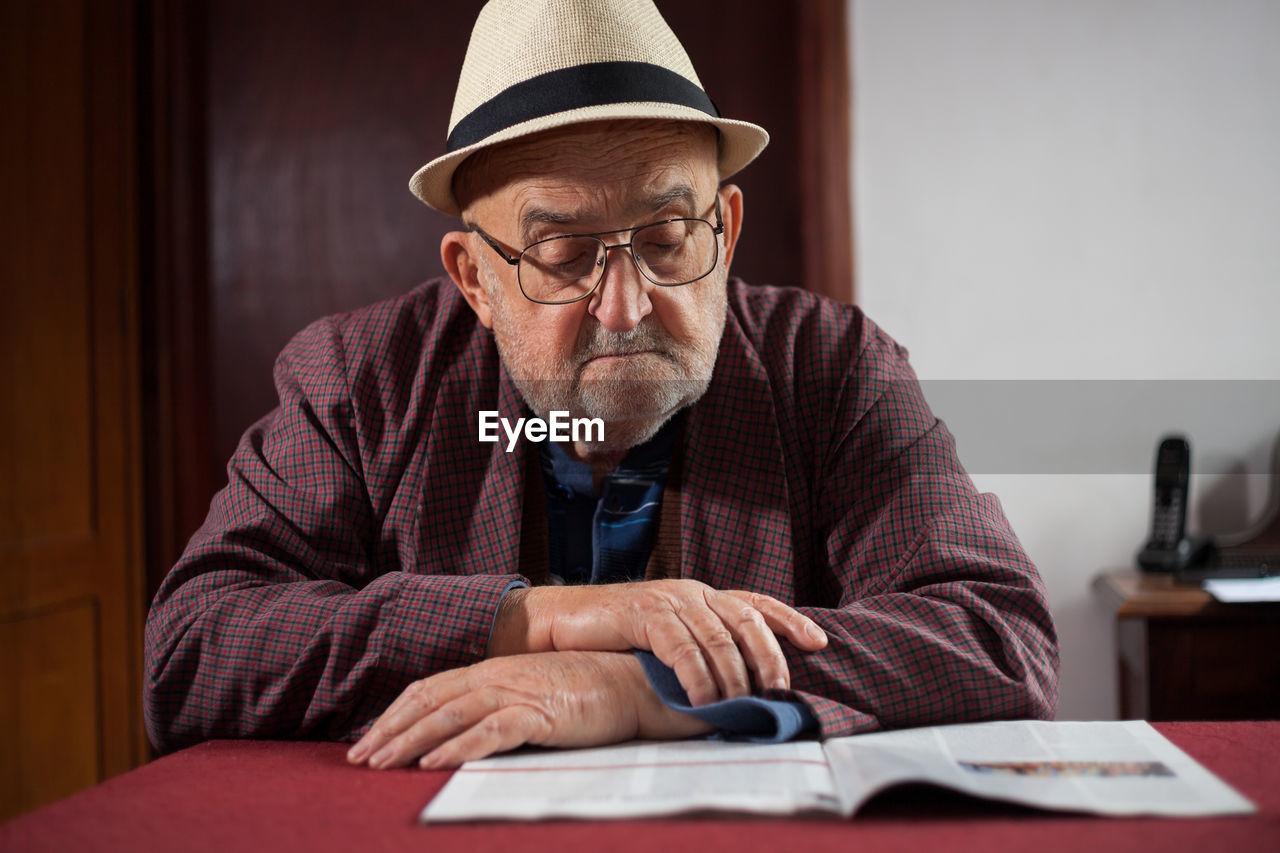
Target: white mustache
{"x":643,"y":338}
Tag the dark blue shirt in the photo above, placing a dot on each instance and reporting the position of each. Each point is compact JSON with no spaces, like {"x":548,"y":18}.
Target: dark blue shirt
{"x":605,"y":538}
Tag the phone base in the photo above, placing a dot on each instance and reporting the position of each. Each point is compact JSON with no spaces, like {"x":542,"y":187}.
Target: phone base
{"x":1190,"y":551}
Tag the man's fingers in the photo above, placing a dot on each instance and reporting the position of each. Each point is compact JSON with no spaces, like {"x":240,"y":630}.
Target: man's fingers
{"x":414,"y":702}
{"x":719,"y":645}
{"x":500,"y":731}
{"x":669,"y":638}
{"x":717,"y":637}
{"x":434,"y":728}
{"x":696,"y":643}
{"x":389,"y":724}
{"x":757,"y":642}
{"x":785,"y":621}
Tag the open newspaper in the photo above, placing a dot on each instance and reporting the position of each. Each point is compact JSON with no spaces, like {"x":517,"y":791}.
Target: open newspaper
{"x":1124,"y":768}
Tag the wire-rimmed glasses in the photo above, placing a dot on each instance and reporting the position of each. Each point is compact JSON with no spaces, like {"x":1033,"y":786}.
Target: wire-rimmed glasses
{"x":569,"y":267}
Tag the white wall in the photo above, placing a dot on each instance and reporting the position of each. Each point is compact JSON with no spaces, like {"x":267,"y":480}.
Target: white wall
{"x":1079,"y":189}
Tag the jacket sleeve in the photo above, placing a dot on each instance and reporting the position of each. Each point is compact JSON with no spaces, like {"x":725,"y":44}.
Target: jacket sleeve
{"x":938,"y":614}
{"x":289,"y":615}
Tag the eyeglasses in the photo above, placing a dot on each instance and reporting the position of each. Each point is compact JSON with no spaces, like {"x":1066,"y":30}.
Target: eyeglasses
{"x":560,"y":270}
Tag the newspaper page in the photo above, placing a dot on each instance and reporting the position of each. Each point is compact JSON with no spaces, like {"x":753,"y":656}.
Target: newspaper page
{"x":1107,"y":768}
{"x":640,"y":779}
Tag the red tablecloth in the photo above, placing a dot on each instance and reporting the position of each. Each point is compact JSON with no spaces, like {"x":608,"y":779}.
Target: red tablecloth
{"x":281,"y":796}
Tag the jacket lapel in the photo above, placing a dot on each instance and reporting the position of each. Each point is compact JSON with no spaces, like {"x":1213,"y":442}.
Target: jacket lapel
{"x":494,"y":544}
{"x":471,"y":521}
{"x":736,"y":515}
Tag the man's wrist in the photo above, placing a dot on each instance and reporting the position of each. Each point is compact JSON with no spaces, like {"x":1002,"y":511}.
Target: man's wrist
{"x":517,"y":626}
{"x":655,"y":720}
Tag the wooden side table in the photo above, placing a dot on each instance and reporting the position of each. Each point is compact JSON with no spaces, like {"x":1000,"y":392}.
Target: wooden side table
{"x":1182,"y":655}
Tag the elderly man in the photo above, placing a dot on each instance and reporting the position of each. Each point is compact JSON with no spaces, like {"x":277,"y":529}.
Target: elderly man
{"x":771,"y":534}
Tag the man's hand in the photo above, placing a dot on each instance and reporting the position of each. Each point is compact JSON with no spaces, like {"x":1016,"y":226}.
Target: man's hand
{"x":710,"y":637}
{"x":550,"y":699}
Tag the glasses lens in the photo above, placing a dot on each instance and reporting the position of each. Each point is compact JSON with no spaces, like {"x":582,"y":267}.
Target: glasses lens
{"x":675,"y":252}
{"x":561,"y":269}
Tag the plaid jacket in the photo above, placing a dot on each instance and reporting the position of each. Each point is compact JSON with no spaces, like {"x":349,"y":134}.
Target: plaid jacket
{"x":365,"y":535}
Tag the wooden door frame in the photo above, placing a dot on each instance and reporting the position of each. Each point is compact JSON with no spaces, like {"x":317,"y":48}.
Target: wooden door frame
{"x":72,"y":555}
{"x":180,"y":471}
{"x":825,"y":147}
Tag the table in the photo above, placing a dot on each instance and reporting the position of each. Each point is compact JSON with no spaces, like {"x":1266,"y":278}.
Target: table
{"x":1181,"y":655}
{"x":286,"y":796}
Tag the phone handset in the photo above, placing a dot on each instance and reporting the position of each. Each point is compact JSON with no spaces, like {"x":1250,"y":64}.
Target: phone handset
{"x":1168,"y":547}
{"x":1169,"y":503}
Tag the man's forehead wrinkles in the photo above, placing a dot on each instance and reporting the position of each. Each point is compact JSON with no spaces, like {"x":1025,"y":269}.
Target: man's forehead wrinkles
{"x":573,"y":208}
{"x":592,"y":155}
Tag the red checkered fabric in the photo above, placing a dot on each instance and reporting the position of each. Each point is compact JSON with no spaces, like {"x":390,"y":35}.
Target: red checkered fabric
{"x":365,"y":535}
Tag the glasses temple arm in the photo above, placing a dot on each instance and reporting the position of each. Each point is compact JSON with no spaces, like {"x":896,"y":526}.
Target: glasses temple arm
{"x":493,"y":244}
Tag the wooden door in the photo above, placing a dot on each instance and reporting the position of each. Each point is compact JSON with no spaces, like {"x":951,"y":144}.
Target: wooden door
{"x":70,"y":567}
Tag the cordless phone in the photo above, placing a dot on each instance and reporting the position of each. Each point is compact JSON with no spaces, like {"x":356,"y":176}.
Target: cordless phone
{"x":1169,"y":548}
{"x":1169,"y":503}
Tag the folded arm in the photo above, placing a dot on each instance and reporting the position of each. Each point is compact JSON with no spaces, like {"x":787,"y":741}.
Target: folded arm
{"x":290,"y":614}
{"x":937,"y":614}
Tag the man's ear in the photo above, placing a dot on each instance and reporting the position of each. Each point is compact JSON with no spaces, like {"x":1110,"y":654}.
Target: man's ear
{"x":456,"y":250}
{"x":731,"y":214}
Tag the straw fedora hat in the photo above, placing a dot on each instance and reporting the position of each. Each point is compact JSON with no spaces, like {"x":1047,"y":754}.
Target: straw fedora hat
{"x":533,"y":65}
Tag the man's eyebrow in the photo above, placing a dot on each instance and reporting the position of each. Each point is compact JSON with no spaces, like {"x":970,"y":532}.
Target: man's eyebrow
{"x":680,"y":193}
{"x":533,"y":216}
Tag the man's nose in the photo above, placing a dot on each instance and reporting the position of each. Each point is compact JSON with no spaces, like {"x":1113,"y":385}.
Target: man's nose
{"x":621,"y":300}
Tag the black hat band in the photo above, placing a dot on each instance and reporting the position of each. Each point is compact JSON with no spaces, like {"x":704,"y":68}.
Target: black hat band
{"x":590,"y":85}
